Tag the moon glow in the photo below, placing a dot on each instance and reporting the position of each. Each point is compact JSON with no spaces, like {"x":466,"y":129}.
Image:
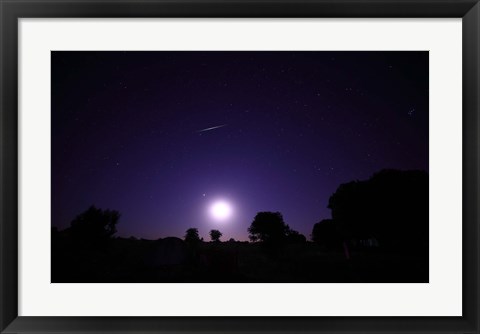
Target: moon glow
{"x":221,"y":210}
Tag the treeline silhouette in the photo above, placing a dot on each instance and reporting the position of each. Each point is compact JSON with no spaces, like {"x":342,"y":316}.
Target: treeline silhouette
{"x":378,"y":232}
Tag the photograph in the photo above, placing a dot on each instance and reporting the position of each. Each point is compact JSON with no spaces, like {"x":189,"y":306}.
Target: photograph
{"x":239,"y":166}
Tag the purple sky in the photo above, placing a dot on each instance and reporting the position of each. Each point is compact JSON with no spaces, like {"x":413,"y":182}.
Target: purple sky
{"x":125,"y":133}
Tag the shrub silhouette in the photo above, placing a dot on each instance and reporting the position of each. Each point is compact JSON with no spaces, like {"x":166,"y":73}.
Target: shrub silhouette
{"x":295,"y":237}
{"x":215,"y":235}
{"x":326,"y":233}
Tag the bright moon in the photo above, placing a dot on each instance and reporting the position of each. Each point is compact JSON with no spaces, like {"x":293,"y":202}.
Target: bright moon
{"x":221,"y":210}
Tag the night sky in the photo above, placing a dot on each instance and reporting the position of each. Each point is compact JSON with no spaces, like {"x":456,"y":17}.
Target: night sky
{"x":281,"y":131}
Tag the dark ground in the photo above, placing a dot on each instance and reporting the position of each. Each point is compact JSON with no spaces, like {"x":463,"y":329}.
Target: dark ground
{"x":172,"y":260}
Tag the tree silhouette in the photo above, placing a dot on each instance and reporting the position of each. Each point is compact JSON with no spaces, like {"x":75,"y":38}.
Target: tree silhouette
{"x":94,"y":224}
{"x":191,"y":235}
{"x":268,"y":227}
{"x":215,"y":235}
{"x":390,"y":207}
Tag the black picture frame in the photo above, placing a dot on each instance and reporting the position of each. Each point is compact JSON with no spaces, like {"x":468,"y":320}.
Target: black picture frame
{"x":12,"y":10}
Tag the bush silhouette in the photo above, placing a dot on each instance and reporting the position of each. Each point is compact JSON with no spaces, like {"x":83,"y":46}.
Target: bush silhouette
{"x":326,"y":233}
{"x":295,"y":237}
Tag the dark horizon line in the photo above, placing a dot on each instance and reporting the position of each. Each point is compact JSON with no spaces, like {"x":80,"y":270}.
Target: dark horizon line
{"x":308,"y":237}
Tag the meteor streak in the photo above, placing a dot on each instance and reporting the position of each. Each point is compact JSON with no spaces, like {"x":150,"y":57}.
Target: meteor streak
{"x":212,"y":128}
